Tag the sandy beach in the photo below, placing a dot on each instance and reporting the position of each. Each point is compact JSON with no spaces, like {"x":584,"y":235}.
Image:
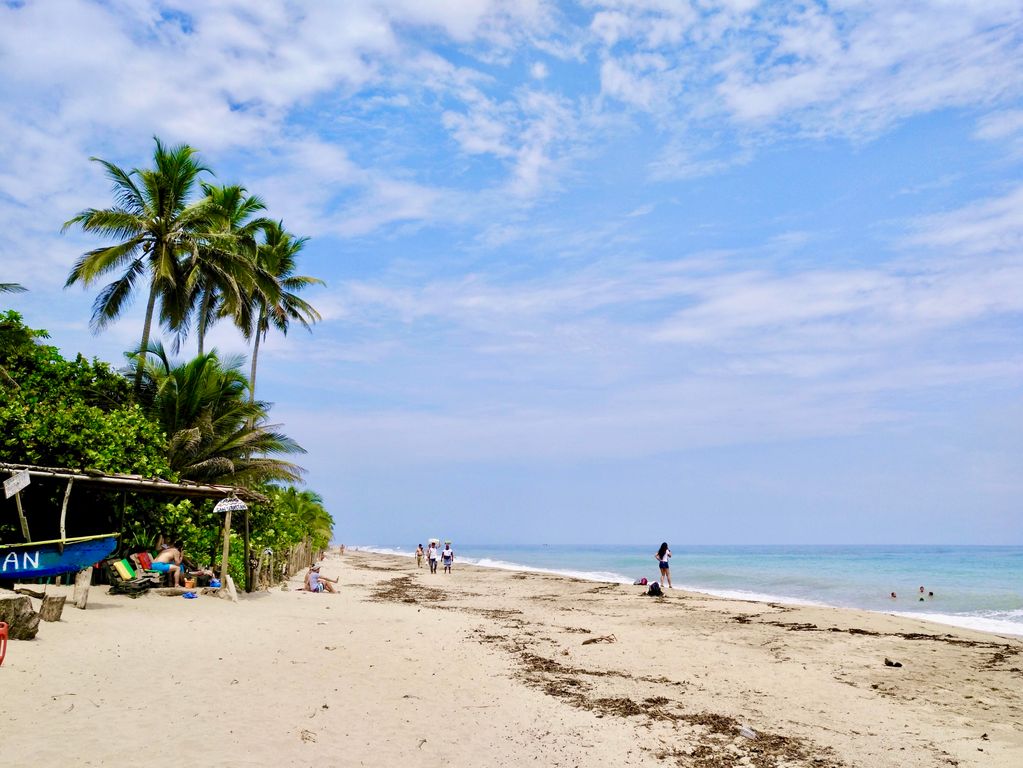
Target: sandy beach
{"x":489,"y":667}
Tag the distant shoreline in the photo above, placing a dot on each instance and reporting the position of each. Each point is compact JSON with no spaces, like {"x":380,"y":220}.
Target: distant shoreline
{"x":977,"y":623}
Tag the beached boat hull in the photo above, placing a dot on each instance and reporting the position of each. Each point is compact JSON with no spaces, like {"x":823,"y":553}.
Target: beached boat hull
{"x":45,"y":558}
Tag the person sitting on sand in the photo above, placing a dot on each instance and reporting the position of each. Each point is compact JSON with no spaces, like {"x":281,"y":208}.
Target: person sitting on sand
{"x":448,"y":556}
{"x":662,"y":556}
{"x":314,"y":582}
{"x":419,"y":556}
{"x":169,"y":561}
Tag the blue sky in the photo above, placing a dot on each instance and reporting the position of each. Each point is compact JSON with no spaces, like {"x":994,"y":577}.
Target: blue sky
{"x":730,"y":272}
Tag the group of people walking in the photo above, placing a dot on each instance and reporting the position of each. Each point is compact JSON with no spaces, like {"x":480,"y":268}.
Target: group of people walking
{"x":432,"y":555}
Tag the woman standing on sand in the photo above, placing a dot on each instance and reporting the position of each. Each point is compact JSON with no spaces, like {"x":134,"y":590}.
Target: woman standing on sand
{"x":662,"y":557}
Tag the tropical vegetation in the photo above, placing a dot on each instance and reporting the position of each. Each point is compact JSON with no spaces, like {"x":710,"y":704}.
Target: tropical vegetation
{"x":199,"y":253}
{"x":277,"y":257}
{"x":215,"y":432}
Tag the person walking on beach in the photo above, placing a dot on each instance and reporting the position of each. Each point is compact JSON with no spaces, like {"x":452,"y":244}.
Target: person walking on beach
{"x":419,"y":556}
{"x":448,"y":556}
{"x":662,"y":557}
{"x":431,"y":555}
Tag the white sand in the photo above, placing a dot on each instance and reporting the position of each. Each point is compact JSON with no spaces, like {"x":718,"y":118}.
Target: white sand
{"x":487,"y":667}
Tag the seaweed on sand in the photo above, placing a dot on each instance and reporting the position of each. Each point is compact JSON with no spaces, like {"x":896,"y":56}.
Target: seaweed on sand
{"x":404,"y":589}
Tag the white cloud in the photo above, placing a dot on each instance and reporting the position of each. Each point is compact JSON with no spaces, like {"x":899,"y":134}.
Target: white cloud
{"x":1000,"y":125}
{"x":852,"y":70}
{"x":984,"y":228}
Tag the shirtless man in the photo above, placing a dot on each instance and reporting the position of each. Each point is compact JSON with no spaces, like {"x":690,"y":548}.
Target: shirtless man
{"x":169,"y":561}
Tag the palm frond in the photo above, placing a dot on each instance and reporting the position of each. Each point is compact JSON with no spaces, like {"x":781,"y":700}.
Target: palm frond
{"x":115,"y":297}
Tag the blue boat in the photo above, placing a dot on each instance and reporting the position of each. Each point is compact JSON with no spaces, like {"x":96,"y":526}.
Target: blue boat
{"x":50,"y":558}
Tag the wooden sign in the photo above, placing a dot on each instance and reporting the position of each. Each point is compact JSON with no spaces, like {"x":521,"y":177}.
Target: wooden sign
{"x":230,"y":505}
{"x":16,"y":482}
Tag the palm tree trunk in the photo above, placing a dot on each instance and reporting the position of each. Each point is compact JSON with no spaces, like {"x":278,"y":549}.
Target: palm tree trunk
{"x":255,"y":357}
{"x":146,"y":328}
{"x":201,"y":325}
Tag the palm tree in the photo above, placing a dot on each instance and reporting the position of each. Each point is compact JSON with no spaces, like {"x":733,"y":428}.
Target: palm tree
{"x":278,"y":304}
{"x":223,"y":268}
{"x":12,"y":288}
{"x":306,"y":508}
{"x":215,"y":432}
{"x":154,"y":225}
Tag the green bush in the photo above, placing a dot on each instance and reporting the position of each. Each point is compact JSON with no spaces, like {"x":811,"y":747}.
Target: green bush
{"x":81,"y":415}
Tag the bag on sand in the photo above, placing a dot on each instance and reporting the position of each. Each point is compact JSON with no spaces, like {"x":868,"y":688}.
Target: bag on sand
{"x":639,"y":582}
{"x":654,"y":590}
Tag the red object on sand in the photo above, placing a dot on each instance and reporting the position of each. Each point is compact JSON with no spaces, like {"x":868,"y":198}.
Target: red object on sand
{"x":3,"y":641}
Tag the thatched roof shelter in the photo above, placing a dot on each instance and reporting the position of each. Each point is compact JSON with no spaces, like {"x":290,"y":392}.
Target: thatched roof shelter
{"x":137,"y":483}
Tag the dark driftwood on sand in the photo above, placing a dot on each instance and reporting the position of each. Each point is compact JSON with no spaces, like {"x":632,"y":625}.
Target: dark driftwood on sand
{"x":36,"y":593}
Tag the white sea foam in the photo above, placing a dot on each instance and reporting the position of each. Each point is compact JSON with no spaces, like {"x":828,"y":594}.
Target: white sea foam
{"x":385,"y":551}
{"x":504,"y":565}
{"x":755,"y":597}
{"x":996,"y":626}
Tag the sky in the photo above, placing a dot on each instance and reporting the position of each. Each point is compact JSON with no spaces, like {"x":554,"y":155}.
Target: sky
{"x":598,"y":271}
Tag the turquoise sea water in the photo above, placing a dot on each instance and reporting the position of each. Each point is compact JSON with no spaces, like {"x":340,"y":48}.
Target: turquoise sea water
{"x":976,"y":587}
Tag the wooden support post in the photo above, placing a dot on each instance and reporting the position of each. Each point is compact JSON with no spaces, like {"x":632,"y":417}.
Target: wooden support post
{"x":213,"y":545}
{"x":63,"y":513}
{"x":21,"y":516}
{"x":227,"y":548}
{"x":259,"y":570}
{"x":82,"y":582}
{"x":248,"y":565}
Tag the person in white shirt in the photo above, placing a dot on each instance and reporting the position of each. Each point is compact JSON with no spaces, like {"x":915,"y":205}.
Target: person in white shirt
{"x":447,"y":556}
{"x":314,"y":582}
{"x":662,"y":557}
{"x":431,"y":555}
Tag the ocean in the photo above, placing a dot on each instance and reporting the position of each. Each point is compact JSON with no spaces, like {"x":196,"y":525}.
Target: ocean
{"x":978,"y":587}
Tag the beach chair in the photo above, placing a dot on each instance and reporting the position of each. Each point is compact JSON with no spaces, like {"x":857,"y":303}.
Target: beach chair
{"x":145,"y":560}
{"x":144,"y":566}
{"x":125,"y":581}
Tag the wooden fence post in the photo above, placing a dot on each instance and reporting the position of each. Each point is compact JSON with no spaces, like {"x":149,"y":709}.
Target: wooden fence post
{"x":82,"y":581}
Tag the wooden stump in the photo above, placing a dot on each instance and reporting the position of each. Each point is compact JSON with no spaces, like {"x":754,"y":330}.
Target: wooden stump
{"x":227,"y":590}
{"x":82,"y":582}
{"x":16,"y":612}
{"x":52,"y":607}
